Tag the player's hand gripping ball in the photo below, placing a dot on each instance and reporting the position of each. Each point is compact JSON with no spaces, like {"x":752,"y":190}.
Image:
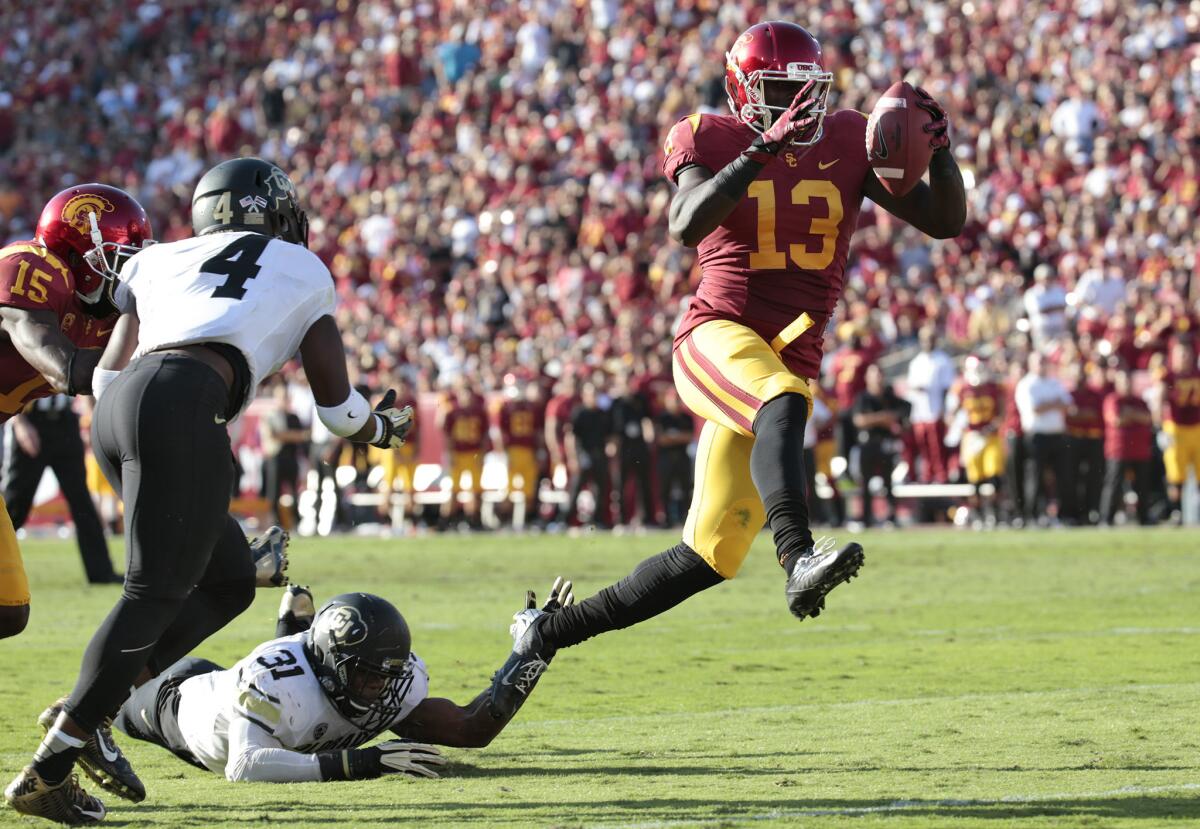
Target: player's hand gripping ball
{"x":903,"y":131}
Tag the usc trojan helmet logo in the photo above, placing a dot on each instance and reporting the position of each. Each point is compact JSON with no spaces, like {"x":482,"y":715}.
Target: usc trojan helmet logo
{"x":75,"y":212}
{"x":346,"y":626}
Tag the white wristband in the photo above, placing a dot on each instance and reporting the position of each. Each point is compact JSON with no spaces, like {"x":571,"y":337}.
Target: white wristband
{"x":347,"y":418}
{"x":101,"y":378}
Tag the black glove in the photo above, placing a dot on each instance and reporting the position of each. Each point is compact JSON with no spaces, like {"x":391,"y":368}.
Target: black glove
{"x":391,"y":757}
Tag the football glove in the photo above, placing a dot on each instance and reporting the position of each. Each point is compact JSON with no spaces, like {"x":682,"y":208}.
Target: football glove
{"x":791,"y":123}
{"x":939,"y":125}
{"x":531,"y":655}
{"x":395,"y":423}
{"x":390,"y":757}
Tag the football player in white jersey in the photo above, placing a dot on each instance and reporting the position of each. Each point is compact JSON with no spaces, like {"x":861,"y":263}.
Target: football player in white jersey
{"x":299,"y":708}
{"x":204,"y":320}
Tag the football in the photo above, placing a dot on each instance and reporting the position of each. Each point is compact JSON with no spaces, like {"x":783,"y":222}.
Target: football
{"x":897,"y":144}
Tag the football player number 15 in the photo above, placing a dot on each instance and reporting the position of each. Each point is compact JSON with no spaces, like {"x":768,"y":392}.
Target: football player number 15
{"x":768,"y":256}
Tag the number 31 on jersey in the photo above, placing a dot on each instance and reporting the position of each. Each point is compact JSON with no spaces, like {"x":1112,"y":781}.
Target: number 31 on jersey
{"x":768,"y":256}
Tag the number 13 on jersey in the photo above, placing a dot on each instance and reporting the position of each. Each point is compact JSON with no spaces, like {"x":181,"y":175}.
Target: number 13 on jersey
{"x":806,"y":191}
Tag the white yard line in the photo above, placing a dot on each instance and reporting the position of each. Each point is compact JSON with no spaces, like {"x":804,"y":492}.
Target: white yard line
{"x":907,"y":805}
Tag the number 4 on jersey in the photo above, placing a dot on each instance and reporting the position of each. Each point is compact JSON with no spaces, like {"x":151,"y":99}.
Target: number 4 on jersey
{"x":239,"y":261}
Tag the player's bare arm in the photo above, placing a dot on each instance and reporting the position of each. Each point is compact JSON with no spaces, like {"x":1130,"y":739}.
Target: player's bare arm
{"x":341,"y":407}
{"x":38,"y":337}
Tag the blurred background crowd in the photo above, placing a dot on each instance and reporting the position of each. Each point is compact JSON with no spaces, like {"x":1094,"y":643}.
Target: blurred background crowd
{"x":484,"y":183}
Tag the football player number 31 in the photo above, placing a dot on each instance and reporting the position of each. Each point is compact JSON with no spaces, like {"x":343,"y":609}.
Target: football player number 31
{"x":768,"y":256}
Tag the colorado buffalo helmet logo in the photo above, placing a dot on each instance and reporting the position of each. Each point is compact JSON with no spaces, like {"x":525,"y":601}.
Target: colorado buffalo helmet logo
{"x":346,"y":625}
{"x":76,"y":211}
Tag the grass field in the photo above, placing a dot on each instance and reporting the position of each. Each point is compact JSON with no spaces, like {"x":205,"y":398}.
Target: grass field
{"x":1046,"y":679}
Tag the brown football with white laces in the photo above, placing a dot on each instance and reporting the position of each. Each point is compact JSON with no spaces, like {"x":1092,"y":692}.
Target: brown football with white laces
{"x":897,"y":144}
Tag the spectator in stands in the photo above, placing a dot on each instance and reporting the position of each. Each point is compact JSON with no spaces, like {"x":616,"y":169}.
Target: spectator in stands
{"x":820,"y":419}
{"x":281,"y":437}
{"x":1043,"y":402}
{"x":520,"y":429}
{"x":1128,"y":433}
{"x":1085,"y":442}
{"x":930,"y":375}
{"x":879,"y":416}
{"x":463,"y":421}
{"x":824,"y":452}
{"x":634,"y":430}
{"x":674,"y":431}
{"x":589,"y":445}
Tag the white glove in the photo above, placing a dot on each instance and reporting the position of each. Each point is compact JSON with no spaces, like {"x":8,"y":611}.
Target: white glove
{"x":413,"y":759}
{"x":1165,"y":440}
{"x":395,"y":423}
{"x":560,"y":597}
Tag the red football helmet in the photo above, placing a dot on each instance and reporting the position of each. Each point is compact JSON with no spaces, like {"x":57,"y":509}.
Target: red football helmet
{"x":95,"y":228}
{"x":774,"y":51}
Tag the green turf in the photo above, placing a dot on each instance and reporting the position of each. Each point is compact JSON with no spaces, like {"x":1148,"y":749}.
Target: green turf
{"x":1045,"y":679}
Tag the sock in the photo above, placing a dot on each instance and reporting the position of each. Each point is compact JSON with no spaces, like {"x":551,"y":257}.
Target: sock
{"x":56,"y":755}
{"x":657,"y":584}
{"x":777,"y":467}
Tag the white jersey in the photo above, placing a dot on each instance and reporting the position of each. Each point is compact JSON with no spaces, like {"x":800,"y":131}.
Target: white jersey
{"x":276,"y":689}
{"x":257,"y":294}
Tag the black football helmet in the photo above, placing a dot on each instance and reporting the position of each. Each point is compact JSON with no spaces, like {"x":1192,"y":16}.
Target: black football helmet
{"x":249,"y":194}
{"x":359,"y":647}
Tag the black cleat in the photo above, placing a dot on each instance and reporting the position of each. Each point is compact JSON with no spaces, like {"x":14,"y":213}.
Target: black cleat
{"x":816,"y":572}
{"x":66,"y":803}
{"x":102,"y":759}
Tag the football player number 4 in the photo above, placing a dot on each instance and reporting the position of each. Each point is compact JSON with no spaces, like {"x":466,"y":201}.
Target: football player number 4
{"x":768,"y":256}
{"x":238,"y":261}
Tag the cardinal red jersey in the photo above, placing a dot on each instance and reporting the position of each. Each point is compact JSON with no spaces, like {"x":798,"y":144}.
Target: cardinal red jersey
{"x":1128,"y":428}
{"x":1181,"y":403}
{"x":1085,"y":419}
{"x":520,"y":423}
{"x":33,"y":278}
{"x":782,"y":251}
{"x":982,"y":404}
{"x":466,"y":427}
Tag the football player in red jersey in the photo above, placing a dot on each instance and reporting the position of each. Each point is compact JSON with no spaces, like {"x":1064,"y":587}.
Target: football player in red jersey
{"x":770,"y":196}
{"x":980,"y":400}
{"x":1179,"y":393}
{"x":55,"y":315}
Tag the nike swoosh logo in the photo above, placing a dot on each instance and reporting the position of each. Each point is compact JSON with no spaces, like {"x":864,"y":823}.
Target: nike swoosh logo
{"x":96,"y":815}
{"x":220,"y":421}
{"x":821,"y":165}
{"x":351,"y":415}
{"x":146,"y":719}
{"x":110,"y":755}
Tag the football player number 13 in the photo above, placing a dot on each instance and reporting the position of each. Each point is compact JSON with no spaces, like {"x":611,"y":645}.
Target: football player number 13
{"x":768,"y":256}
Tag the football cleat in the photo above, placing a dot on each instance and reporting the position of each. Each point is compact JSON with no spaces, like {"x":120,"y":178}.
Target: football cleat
{"x":296,"y":611}
{"x":270,"y":558}
{"x":67,"y":802}
{"x":102,"y":759}
{"x":816,"y":572}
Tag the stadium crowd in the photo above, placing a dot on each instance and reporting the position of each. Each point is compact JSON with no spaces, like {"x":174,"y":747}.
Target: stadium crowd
{"x":484,"y":183}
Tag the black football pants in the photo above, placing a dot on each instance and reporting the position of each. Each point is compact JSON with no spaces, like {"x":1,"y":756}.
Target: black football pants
{"x":160,"y":438}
